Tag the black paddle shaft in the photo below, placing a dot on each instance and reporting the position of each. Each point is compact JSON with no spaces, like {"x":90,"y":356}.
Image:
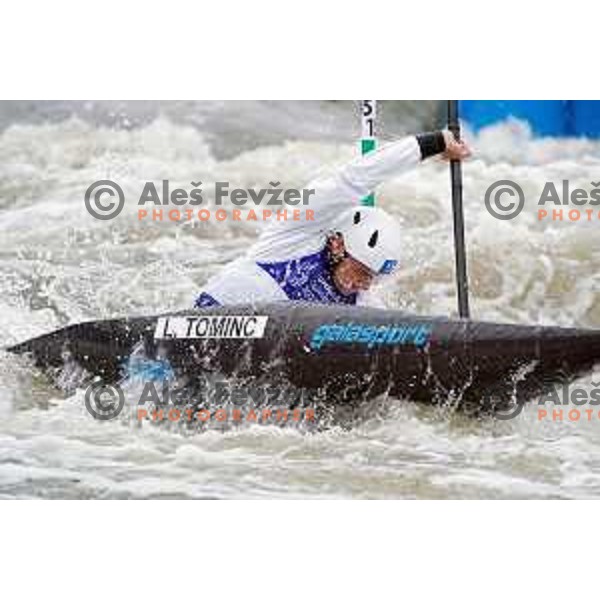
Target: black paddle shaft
{"x":458,"y":217}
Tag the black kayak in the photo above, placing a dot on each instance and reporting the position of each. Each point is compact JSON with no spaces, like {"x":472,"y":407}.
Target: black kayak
{"x":344,"y":353}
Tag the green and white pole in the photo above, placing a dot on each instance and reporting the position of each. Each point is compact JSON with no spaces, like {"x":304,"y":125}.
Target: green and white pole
{"x":368,"y":112}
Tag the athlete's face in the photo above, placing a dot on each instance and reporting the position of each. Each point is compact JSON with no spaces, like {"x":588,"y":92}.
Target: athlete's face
{"x":351,"y":276}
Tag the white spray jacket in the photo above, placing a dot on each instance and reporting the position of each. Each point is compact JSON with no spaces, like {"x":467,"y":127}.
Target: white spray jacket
{"x":289,"y":260}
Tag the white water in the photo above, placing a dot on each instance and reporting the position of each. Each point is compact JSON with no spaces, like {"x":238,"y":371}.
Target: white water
{"x":58,"y":266}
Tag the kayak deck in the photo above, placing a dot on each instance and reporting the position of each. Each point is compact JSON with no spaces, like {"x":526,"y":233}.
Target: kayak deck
{"x":344,"y":353}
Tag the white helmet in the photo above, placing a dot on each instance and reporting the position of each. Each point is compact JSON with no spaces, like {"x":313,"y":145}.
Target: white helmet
{"x":371,"y":236}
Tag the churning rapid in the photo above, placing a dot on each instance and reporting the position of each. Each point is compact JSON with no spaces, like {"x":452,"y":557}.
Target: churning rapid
{"x":58,"y":265}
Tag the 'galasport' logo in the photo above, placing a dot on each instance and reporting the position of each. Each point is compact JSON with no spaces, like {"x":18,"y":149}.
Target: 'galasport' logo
{"x":415,"y":334}
{"x":210,"y":327}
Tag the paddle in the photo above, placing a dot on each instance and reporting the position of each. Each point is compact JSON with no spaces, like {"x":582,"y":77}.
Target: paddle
{"x":462,"y":283}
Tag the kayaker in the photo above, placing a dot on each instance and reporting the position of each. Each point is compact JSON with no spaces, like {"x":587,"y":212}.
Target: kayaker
{"x":336,"y":257}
